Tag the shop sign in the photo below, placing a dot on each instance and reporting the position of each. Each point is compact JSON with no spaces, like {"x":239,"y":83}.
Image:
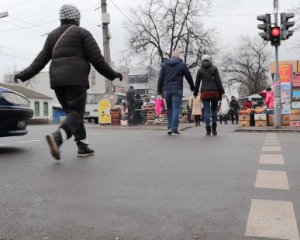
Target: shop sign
{"x":285,"y":71}
{"x":104,"y":112}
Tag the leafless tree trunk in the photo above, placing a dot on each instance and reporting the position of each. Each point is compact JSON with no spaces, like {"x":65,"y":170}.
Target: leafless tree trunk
{"x":163,"y":26}
{"x":248,"y":66}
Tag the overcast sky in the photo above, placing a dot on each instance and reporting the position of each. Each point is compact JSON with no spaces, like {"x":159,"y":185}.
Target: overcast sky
{"x":22,"y":34}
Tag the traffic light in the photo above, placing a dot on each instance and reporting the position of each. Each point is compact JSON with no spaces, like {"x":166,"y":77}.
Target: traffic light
{"x":266,"y":26}
{"x":285,"y":25}
{"x":275,"y":36}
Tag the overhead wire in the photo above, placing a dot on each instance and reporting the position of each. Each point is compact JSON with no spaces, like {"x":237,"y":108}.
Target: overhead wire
{"x":18,"y":4}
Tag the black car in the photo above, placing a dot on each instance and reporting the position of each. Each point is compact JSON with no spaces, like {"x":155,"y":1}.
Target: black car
{"x":14,"y":113}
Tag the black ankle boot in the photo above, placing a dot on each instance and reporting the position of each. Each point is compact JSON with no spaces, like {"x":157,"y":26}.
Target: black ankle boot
{"x":214,"y":129}
{"x":54,"y":141}
{"x":208,"y":130}
{"x":84,"y":150}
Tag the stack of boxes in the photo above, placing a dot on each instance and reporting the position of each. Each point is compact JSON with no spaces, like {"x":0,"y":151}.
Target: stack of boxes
{"x":150,"y":116}
{"x":115,"y":117}
{"x":295,"y":118}
{"x":260,"y":119}
{"x":285,"y":120}
{"x":244,"y":119}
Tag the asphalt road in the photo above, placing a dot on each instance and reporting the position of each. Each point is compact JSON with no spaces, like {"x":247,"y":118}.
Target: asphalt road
{"x":140,"y":185}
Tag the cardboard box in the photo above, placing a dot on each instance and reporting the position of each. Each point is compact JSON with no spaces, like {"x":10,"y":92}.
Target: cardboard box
{"x":270,"y":120}
{"x":285,"y":118}
{"x":260,"y":117}
{"x":295,"y":123}
{"x":244,"y":123}
{"x":295,"y":117}
{"x":260,"y":123}
{"x":244,"y":117}
{"x":285,"y":123}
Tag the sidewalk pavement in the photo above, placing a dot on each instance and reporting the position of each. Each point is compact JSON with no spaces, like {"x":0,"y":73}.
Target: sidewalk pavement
{"x":182,"y":127}
{"x":185,"y":126}
{"x":268,"y":129}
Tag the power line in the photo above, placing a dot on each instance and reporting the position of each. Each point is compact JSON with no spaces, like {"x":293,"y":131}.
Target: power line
{"x":18,"y":4}
{"x":116,"y":6}
{"x":21,"y":26}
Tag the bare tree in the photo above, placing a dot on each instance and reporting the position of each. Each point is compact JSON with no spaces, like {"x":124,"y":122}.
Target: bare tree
{"x":248,"y":66}
{"x":166,"y":25}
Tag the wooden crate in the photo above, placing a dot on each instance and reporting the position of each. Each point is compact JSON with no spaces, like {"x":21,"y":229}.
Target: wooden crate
{"x":295,"y":117}
{"x":285,"y":123}
{"x":285,"y":117}
{"x":260,"y":117}
{"x":260,"y":123}
{"x":244,"y":123}
{"x":244,"y":117}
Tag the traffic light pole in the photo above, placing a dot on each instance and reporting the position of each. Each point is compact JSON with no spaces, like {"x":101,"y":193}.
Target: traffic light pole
{"x":277,"y":81}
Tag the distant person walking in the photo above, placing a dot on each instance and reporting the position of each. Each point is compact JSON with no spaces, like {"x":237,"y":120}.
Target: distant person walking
{"x":197,"y":109}
{"x":211,"y":91}
{"x":138,"y":105}
{"x":234,"y":110}
{"x":130,"y":105}
{"x":224,"y":109}
{"x":72,"y":49}
{"x":170,"y":84}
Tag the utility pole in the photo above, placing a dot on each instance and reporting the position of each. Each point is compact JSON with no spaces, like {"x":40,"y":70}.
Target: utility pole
{"x":106,"y":38}
{"x":277,"y":81}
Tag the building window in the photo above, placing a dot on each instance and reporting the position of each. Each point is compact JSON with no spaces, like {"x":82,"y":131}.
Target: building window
{"x":36,"y":109}
{"x":46,"y":109}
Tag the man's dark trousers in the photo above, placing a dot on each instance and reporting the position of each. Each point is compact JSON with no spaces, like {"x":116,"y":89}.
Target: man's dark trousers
{"x":73,"y":100}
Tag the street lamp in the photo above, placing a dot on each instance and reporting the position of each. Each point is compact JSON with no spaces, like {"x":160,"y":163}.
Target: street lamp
{"x":3,"y":14}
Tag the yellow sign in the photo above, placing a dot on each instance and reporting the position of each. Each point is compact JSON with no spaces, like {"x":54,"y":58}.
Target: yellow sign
{"x":104,"y":112}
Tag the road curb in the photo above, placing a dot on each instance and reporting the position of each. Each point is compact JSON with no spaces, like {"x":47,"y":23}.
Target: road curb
{"x":271,"y":129}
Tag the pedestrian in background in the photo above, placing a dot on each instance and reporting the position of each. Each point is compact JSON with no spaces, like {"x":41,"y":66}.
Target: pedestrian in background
{"x":234,"y":110}
{"x":130,"y":105}
{"x":72,"y":49}
{"x":224,"y":109}
{"x":211,"y":91}
{"x":138,"y":104}
{"x":197,"y":109}
{"x":170,"y":84}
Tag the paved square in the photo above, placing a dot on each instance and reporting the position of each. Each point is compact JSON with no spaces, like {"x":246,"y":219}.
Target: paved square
{"x":276,"y":159}
{"x":272,"y":219}
{"x":272,"y":179}
{"x":272,"y":149}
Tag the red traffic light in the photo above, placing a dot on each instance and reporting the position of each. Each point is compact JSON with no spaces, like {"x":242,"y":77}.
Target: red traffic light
{"x":275,"y":31}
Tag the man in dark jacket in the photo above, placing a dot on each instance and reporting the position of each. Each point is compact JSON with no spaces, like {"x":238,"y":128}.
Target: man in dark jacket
{"x":130,"y":105}
{"x":72,"y":49}
{"x":234,"y":110}
{"x":138,"y":104}
{"x":211,"y":92}
{"x":170,"y":83}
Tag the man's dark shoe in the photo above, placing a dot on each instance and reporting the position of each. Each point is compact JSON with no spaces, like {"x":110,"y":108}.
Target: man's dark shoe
{"x":175,"y":133}
{"x":84,"y":150}
{"x":208,"y":130}
{"x":214,"y":129}
{"x":54,"y":141}
{"x":169,"y":132}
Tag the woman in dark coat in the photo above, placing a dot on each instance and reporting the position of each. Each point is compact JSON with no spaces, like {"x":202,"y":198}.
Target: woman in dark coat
{"x":72,"y":49}
{"x":211,"y":92}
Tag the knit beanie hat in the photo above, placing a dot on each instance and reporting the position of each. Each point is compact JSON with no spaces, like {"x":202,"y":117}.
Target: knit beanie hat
{"x":69,"y":12}
{"x":205,"y":58}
